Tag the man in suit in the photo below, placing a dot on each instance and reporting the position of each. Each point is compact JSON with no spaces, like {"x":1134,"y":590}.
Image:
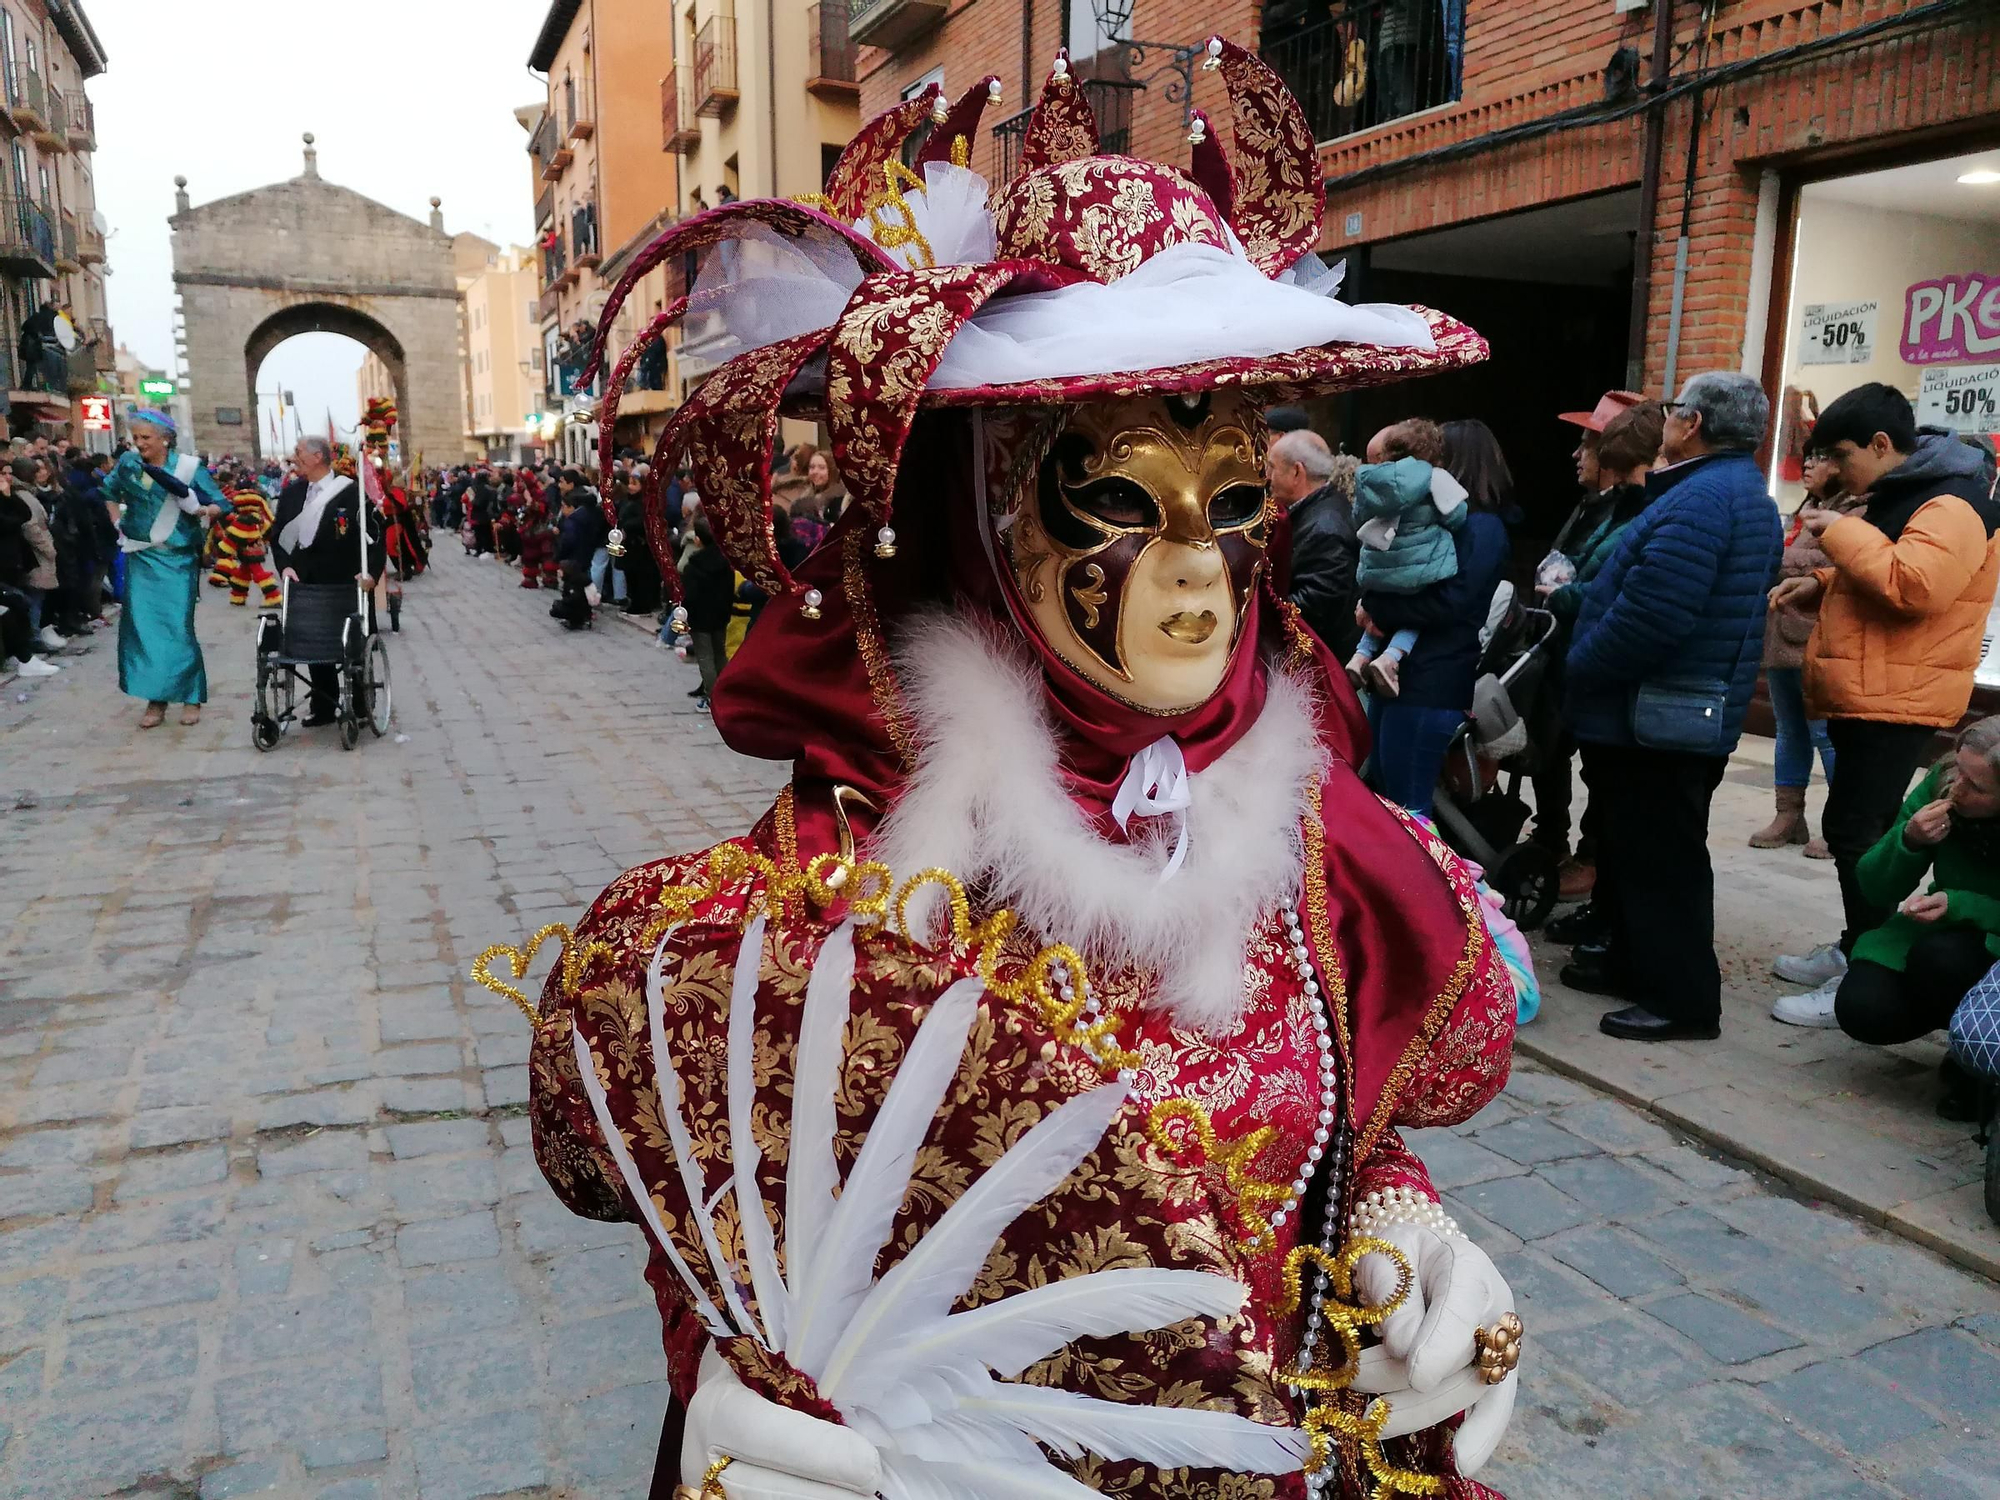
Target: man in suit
{"x":315,"y":541}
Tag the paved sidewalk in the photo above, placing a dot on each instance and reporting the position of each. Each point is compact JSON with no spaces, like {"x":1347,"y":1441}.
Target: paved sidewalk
{"x":269,"y":1223}
{"x":1854,"y":1125}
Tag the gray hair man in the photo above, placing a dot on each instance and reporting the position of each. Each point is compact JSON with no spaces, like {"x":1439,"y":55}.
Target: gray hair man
{"x":1722,"y":412}
{"x":1304,"y":475}
{"x":1661,"y":666}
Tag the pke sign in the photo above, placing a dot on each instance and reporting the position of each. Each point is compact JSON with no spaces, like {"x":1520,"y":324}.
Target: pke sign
{"x":1952,"y":319}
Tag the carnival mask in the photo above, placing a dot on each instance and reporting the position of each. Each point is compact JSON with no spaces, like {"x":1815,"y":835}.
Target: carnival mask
{"x":1137,"y":549}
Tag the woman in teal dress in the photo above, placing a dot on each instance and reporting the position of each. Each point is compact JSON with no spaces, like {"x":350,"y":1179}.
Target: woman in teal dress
{"x":165,"y":497}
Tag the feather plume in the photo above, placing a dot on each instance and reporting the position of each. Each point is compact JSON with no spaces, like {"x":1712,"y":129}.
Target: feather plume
{"x":744,"y":1155}
{"x":811,"y":1174}
{"x":1009,"y":1335}
{"x":586,"y":1067}
{"x":907,"y":1478}
{"x":940,"y":1267}
{"x":679,"y":1139}
{"x":844,"y":1261}
{"x":1165,"y":1437}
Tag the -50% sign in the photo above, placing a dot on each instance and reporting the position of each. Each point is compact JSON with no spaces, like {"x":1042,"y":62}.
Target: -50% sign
{"x":1839,"y":333}
{"x":1965,"y":398}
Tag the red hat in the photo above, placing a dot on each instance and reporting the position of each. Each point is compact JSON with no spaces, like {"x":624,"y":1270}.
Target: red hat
{"x":1609,"y":405}
{"x":1087,"y":276}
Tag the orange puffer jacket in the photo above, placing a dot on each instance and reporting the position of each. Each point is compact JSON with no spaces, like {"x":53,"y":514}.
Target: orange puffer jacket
{"x":1900,"y":631}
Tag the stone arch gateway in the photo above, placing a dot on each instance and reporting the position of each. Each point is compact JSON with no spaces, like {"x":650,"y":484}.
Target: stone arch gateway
{"x":308,"y":256}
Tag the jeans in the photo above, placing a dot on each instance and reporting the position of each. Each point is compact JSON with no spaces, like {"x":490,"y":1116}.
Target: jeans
{"x":710,"y":655}
{"x":1410,"y":744}
{"x":600,"y":568}
{"x":1881,"y":1007}
{"x":35,"y":598}
{"x":1372,"y":644}
{"x":1876,"y":763}
{"x":1798,"y":736}
{"x":1655,"y":886}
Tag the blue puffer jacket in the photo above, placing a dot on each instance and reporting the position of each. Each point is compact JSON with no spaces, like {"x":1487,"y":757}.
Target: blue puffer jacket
{"x":1683,"y":596}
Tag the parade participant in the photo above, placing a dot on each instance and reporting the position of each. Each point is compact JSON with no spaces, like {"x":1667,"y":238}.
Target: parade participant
{"x":242,"y":550}
{"x":167,"y":497}
{"x":316,"y":543}
{"x":538,"y":537}
{"x":1122,"y":1087}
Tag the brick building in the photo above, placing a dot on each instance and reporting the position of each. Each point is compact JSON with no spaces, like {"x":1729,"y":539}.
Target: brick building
{"x":1527,"y":168}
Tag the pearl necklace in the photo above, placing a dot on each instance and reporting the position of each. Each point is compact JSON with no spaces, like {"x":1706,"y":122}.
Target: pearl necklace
{"x":1331,"y":1130}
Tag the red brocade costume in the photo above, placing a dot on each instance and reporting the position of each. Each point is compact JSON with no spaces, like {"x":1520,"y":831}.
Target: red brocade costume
{"x":538,"y":536}
{"x":815,"y":1062}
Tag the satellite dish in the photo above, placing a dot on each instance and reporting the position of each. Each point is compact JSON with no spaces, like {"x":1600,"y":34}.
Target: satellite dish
{"x":65,"y":332}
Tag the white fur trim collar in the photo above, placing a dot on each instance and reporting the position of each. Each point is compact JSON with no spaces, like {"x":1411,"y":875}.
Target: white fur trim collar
{"x":987,"y":802}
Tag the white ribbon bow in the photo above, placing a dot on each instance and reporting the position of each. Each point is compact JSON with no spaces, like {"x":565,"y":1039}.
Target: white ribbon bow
{"x":1155,"y":786}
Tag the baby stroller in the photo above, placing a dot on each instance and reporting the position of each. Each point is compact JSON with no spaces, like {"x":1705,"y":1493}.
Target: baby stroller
{"x":1478,"y":816}
{"x":320,"y":625}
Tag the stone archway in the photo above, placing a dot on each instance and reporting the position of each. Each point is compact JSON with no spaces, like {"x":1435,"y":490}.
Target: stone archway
{"x":319,"y":317}
{"x":303,"y":256}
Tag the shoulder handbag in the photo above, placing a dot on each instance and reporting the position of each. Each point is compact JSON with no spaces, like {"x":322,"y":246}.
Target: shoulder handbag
{"x":1685,"y":714}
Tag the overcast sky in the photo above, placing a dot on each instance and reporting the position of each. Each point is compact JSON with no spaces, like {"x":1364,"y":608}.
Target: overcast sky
{"x":407,"y":100}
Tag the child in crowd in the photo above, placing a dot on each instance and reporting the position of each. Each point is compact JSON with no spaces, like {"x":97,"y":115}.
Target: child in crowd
{"x":1405,"y":513}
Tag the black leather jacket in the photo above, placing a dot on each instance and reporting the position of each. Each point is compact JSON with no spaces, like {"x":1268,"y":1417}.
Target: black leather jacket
{"x":1325,"y":551}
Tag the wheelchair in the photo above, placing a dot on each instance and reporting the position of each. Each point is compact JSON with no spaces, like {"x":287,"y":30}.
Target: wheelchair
{"x":320,"y":625}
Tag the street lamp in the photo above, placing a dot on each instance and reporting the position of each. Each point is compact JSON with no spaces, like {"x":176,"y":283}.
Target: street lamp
{"x":1114,"y":16}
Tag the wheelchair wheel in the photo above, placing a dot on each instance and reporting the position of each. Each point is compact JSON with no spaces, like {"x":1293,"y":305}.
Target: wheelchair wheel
{"x":347,"y":712}
{"x":265,"y":732}
{"x":376,"y":680}
{"x":1529,"y":880}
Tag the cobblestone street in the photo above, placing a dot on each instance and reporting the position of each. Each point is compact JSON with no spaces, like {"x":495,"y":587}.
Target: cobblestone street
{"x":270,"y":1223}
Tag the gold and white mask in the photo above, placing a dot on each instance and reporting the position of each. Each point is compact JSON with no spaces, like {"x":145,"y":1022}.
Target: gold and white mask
{"x":1139,"y":542}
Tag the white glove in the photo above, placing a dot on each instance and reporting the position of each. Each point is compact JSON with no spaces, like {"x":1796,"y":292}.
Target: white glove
{"x":1426,"y":1366}
{"x":779,"y":1454}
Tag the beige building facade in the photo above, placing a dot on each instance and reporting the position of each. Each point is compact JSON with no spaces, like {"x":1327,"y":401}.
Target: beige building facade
{"x":503,"y":340}
{"x":52,"y":238}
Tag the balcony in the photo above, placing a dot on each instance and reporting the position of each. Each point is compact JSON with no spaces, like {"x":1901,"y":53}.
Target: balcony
{"x":66,"y":258}
{"x":81,"y":376}
{"x":558,"y":163}
{"x":543,"y":146}
{"x":579,"y":112}
{"x":102,"y":346}
{"x":715,"y":92}
{"x":893,"y":23}
{"x":27,"y":239}
{"x":82,"y":121}
{"x":680,"y":124}
{"x":1110,"y":100}
{"x":28,"y":98}
{"x":830,"y":67}
{"x":54,"y":136}
{"x":550,"y":305}
{"x":90,"y":245}
{"x":1370,"y":62}
{"x":545,"y":207}
{"x":583,"y":238}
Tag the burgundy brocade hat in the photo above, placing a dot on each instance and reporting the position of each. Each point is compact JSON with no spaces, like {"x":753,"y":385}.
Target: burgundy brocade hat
{"x":1087,"y":276}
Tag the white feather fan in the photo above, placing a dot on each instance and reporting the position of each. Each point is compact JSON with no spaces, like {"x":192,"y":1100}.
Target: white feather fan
{"x":905,"y":1371}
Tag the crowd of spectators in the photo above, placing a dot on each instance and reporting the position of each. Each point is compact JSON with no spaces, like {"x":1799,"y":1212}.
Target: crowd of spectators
{"x":1674,"y":586}
{"x":59,"y":558}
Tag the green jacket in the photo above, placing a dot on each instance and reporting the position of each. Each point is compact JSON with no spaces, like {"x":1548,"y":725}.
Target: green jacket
{"x":1892,"y":871}
{"x":1594,"y":551}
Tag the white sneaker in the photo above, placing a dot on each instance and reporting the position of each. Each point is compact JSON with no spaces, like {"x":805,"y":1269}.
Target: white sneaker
{"x":1813,"y":1008}
{"x":34,"y":666}
{"x":49,"y":638}
{"x":1815,"y":968}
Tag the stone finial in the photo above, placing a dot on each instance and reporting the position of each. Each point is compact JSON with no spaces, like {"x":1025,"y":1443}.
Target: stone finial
{"x":312,"y":156}
{"x":437,"y":214}
{"x":181,"y":204}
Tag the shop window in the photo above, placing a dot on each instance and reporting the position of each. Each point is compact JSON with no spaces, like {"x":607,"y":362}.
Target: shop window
{"x":1895,"y":277}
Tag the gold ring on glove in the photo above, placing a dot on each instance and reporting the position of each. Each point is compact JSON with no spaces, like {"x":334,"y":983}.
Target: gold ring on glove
{"x":710,"y":1487}
{"x":1499,"y":1348}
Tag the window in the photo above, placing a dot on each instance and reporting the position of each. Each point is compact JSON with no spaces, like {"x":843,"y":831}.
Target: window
{"x":7,"y":53}
{"x":20,"y":167}
{"x":42,"y":174}
{"x":917,"y":137}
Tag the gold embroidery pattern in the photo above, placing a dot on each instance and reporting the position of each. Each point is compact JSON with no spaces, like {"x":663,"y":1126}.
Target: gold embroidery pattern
{"x":1089,"y":593}
{"x":874,"y":650}
{"x":1234,"y":1159}
{"x":1320,"y":922}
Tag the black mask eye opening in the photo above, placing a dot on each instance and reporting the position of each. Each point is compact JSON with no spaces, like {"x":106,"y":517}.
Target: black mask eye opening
{"x":1237,"y":505}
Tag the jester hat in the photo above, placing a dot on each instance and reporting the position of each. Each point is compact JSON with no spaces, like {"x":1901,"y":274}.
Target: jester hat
{"x":1086,"y":276}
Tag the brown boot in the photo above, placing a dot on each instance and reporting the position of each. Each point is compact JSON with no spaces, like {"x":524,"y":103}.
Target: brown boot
{"x":1816,"y":849}
{"x":1577,"y":880}
{"x":1789,"y":826}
